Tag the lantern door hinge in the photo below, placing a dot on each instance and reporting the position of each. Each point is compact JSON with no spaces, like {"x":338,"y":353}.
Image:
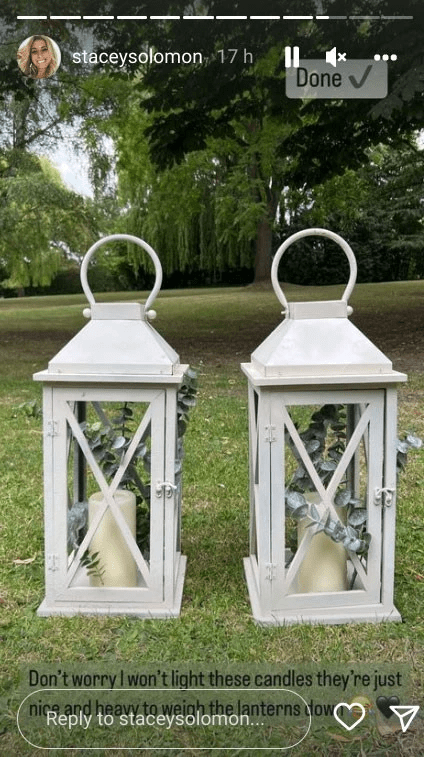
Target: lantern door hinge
{"x":270,"y":435}
{"x":52,"y":562}
{"x":270,"y":571}
{"x":52,"y":428}
{"x":384,"y":496}
{"x":165,"y":486}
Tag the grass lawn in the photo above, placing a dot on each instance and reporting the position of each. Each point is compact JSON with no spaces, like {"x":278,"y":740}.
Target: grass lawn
{"x":215,"y":330}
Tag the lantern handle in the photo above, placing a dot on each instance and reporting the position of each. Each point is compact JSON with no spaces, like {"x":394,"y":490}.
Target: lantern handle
{"x":307,"y":233}
{"x":129,"y":238}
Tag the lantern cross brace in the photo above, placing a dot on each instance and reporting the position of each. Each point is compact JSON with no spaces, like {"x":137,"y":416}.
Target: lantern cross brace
{"x":327,"y":494}
{"x":108,"y":492}
{"x":139,"y":435}
{"x":300,"y":554}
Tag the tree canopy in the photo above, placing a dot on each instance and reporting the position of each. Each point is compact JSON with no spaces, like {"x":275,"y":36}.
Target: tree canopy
{"x":378,"y":208}
{"x":214,"y":162}
{"x":241,"y":145}
{"x":41,"y":221}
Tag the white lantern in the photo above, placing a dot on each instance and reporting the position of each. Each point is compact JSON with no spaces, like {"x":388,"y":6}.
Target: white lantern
{"x":322,"y":419}
{"x":112,"y":461}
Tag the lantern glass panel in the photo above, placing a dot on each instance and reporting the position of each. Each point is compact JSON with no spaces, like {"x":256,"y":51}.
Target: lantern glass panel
{"x":316,"y":452}
{"x":331,"y":534}
{"x":108,"y":455}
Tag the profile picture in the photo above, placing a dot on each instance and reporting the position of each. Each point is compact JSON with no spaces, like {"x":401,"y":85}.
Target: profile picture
{"x":38,"y":57}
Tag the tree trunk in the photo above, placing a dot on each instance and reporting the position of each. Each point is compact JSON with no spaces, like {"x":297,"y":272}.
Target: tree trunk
{"x":20,"y":114}
{"x":263,"y":254}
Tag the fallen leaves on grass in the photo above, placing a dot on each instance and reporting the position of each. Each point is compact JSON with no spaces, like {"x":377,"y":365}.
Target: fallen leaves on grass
{"x":26,"y":561}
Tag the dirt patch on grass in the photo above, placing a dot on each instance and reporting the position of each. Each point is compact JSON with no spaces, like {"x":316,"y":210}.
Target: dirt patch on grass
{"x":42,"y":336}
{"x":397,"y":334}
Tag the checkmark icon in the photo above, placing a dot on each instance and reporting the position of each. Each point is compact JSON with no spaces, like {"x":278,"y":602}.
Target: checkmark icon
{"x":361,"y":82}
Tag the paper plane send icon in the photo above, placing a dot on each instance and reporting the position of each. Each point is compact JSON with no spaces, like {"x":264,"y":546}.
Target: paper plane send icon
{"x":405,"y":713}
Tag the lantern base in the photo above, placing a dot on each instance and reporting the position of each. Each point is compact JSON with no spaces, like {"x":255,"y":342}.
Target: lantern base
{"x":367,"y":613}
{"x":151,"y":610}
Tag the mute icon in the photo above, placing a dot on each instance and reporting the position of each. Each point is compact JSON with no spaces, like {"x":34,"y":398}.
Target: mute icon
{"x":333,"y":57}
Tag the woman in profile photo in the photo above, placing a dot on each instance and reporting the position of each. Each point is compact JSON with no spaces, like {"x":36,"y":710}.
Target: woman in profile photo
{"x":38,"y":57}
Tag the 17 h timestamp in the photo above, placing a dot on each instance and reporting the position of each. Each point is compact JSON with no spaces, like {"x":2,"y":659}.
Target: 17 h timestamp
{"x":235,"y":54}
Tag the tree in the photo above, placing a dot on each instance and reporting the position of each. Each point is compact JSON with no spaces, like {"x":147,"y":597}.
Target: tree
{"x":227,"y":123}
{"x":239,"y":103}
{"x":202,"y":213}
{"x":40,"y":220}
{"x":377,"y":208}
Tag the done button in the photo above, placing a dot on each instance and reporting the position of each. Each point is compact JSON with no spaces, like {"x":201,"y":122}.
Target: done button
{"x":353,"y":79}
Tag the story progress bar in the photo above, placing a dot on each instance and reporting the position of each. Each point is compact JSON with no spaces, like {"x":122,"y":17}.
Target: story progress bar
{"x":215,"y":18}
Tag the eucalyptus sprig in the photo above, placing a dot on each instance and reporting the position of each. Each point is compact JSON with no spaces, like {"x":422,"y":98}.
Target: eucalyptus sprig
{"x":325,"y":443}
{"x":109,"y":441}
{"x":330,"y":421}
{"x":91,"y":562}
{"x":402,"y":448}
{"x":352,"y":535}
{"x":324,"y":458}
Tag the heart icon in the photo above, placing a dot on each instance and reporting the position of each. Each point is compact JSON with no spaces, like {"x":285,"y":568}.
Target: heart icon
{"x":353,"y":706}
{"x":384,"y":704}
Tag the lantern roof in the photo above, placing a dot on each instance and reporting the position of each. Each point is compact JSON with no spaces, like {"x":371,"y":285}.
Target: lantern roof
{"x":118,"y":340}
{"x":316,"y":340}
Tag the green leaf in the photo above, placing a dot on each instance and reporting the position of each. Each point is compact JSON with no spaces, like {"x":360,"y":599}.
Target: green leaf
{"x":414,"y":441}
{"x":296,"y":504}
{"x":338,"y":533}
{"x":355,"y":502}
{"x":358,"y":517}
{"x":187,"y":401}
{"x":99,"y":454}
{"x":343,"y":498}
{"x":402,"y":447}
{"x":328,"y":465}
{"x":314,"y":514}
{"x":141,"y":450}
{"x":119,"y":442}
{"x":312,"y":446}
{"x":353,"y":544}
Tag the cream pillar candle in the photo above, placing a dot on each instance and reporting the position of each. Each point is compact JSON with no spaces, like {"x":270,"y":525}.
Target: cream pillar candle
{"x":116,"y":560}
{"x":324,"y":567}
